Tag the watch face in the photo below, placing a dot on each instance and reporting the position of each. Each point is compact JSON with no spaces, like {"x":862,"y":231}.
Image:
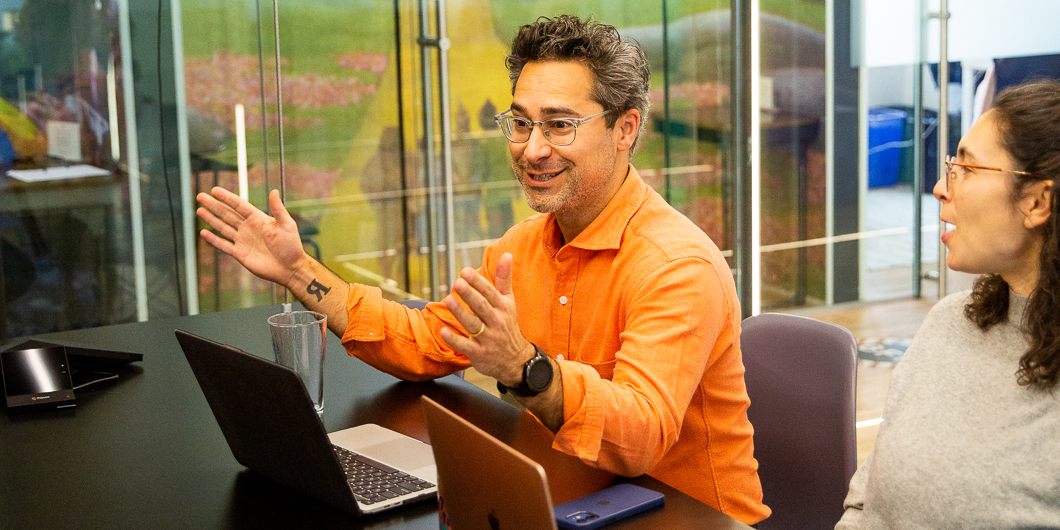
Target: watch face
{"x":539,"y":376}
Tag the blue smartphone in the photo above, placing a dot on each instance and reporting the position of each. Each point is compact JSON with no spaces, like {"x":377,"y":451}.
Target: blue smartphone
{"x":606,"y":506}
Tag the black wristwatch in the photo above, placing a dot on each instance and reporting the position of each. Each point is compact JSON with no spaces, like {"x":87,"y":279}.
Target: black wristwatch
{"x":537,"y":376}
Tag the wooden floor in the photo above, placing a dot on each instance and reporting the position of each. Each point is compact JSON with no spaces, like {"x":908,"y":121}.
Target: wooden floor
{"x":894,"y":318}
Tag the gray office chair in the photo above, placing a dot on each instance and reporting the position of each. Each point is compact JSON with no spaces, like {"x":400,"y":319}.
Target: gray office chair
{"x":418,"y":304}
{"x":801,"y":377}
{"x":415,"y":303}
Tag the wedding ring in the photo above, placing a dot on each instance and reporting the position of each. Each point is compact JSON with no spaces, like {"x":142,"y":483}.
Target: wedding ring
{"x":480,"y":331}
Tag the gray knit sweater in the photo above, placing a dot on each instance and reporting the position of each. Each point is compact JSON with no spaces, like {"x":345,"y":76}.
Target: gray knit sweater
{"x":962,"y":445}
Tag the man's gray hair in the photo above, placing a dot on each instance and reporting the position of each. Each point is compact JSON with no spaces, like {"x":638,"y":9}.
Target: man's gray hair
{"x":620,"y":69}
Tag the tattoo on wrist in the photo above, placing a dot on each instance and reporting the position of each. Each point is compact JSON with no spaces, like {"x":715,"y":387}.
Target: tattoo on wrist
{"x":317,"y":289}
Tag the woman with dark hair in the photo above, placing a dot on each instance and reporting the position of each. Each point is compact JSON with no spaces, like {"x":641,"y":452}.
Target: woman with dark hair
{"x":971,"y":432}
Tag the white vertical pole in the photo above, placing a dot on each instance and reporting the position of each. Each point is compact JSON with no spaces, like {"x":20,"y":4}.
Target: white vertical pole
{"x":112,"y":109}
{"x":133,"y":155}
{"x":756,"y":160}
{"x":943,"y":126}
{"x":829,"y":149}
{"x":241,"y":152}
{"x":191,"y":273}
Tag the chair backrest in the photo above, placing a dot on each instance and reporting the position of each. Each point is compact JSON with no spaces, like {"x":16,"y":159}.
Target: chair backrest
{"x":801,"y":375}
{"x":415,"y":303}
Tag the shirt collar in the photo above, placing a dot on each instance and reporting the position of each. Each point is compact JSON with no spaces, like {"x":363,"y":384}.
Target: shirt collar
{"x":605,"y":232}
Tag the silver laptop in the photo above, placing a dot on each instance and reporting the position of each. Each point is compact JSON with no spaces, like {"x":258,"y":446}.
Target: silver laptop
{"x":270,"y":424}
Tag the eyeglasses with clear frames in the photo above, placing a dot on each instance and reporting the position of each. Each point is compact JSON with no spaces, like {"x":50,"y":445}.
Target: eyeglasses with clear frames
{"x":952,"y":164}
{"x":559,"y":131}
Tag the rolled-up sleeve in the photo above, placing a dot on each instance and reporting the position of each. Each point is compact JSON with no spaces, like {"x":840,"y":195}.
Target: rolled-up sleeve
{"x":398,"y":340}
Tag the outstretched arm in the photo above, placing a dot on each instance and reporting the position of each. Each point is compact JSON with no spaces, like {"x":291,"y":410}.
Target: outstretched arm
{"x":270,"y":248}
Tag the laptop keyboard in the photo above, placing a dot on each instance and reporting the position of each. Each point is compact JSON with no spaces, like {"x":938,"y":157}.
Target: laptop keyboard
{"x":373,"y":482}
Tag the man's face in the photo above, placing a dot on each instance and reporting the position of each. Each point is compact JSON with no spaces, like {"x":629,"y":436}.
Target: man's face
{"x":572,"y":181}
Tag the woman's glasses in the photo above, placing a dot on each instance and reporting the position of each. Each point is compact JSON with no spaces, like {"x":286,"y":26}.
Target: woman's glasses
{"x":952,"y":164}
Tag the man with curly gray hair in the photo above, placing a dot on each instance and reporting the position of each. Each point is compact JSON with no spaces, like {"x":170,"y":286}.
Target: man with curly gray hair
{"x":609,"y":315}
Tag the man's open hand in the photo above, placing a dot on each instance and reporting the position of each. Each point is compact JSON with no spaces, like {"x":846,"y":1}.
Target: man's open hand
{"x":495,"y":347}
{"x":268,"y":246}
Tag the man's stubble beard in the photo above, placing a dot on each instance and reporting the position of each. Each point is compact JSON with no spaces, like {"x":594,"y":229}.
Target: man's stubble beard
{"x":571,"y":190}
{"x":546,"y":203}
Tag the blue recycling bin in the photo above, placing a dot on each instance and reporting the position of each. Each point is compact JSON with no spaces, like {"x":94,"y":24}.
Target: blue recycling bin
{"x":885,"y":145}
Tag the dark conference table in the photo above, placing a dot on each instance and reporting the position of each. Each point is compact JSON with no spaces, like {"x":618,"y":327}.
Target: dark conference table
{"x":145,"y":451}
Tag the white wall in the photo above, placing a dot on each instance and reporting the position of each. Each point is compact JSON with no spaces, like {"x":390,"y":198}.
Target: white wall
{"x":891,"y":86}
{"x":978,"y":29}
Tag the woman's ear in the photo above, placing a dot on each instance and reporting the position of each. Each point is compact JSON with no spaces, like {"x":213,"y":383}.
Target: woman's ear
{"x":1037,"y":203}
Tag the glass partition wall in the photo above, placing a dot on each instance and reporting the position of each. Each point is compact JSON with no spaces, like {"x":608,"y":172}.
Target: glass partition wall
{"x":393,"y":162}
{"x":90,"y":204}
{"x":377,"y":118}
{"x":400,"y":177}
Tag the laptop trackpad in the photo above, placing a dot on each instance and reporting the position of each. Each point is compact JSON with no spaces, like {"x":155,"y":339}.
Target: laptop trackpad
{"x":387,"y":446}
{"x":405,"y":453}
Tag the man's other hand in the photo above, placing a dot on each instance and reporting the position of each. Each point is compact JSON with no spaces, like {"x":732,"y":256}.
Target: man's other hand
{"x":495,"y":346}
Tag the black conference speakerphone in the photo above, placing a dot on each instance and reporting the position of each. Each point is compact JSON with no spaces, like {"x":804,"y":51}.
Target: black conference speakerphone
{"x":39,"y":375}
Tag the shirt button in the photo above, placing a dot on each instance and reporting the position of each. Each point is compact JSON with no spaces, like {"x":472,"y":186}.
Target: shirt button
{"x":563,"y":300}
{"x":559,"y":357}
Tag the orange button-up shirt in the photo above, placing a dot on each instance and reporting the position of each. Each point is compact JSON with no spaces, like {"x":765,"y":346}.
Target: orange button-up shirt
{"x":640,"y":311}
